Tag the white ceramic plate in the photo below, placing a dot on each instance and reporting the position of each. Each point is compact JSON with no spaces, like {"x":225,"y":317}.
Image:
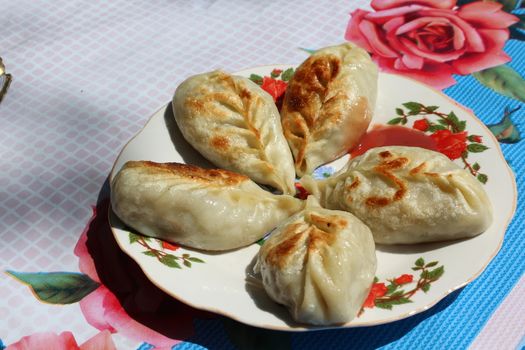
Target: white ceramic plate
{"x":220,"y":284}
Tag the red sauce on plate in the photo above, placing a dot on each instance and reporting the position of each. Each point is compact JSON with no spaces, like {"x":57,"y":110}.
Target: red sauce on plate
{"x":393,"y":135}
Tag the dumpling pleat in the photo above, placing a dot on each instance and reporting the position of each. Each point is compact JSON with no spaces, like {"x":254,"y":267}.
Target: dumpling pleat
{"x":235,"y":124}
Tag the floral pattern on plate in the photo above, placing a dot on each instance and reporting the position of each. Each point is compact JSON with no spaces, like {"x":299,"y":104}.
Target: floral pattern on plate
{"x":225,"y":273}
{"x":386,"y":296}
{"x":158,"y":249}
{"x":449,"y":133}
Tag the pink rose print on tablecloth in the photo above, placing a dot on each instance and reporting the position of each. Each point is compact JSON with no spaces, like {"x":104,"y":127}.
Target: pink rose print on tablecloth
{"x":63,"y":341}
{"x":429,"y":40}
{"x":163,"y":320}
{"x":114,"y":295}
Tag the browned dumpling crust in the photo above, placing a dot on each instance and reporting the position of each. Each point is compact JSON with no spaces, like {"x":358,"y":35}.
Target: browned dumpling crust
{"x":320,"y":264}
{"x":195,"y":173}
{"x":235,"y":124}
{"x":407,"y":195}
{"x":211,"y":209}
{"x":328,"y":105}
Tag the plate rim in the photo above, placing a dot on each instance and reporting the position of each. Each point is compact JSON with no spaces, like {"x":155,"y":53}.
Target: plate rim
{"x":347,"y":325}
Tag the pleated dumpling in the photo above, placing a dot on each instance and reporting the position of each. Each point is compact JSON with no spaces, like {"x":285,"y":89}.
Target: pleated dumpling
{"x":328,"y":105}
{"x":235,"y":124}
{"x":320,"y":264}
{"x":196,"y":207}
{"x":407,"y":195}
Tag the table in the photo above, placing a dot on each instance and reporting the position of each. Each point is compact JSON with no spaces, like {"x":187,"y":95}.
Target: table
{"x":88,"y":74}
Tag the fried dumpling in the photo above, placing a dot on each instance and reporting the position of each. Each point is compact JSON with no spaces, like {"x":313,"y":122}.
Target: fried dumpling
{"x":320,"y":264}
{"x":328,"y":105}
{"x":235,"y":124}
{"x":407,"y":195}
{"x":199,"y":208}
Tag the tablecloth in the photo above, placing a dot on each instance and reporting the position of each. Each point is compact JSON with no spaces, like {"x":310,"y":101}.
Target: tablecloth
{"x":88,"y":74}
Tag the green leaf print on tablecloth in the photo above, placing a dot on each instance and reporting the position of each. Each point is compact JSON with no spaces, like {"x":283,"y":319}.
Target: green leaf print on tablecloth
{"x":504,"y":80}
{"x":57,"y":287}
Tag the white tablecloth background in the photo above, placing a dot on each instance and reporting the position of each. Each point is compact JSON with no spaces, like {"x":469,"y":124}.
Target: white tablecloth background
{"x":86,"y":76}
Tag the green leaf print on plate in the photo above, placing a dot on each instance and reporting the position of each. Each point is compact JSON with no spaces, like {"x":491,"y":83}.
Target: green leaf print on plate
{"x":385,"y":296}
{"x":447,"y":130}
{"x":157,"y":248}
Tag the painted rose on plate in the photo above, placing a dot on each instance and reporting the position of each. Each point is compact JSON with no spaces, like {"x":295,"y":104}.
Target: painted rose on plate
{"x":400,"y":290}
{"x":429,"y":40}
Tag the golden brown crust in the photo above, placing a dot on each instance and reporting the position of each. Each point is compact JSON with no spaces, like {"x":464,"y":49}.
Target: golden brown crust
{"x":385,"y":154}
{"x":245,"y":94}
{"x":219,"y":106}
{"x":226,"y":80}
{"x":194,"y":104}
{"x":418,"y":169}
{"x":432,"y":174}
{"x":318,"y":238}
{"x":354,"y":184}
{"x":327,"y":223}
{"x":278,"y":255}
{"x":304,"y":99}
{"x":220,"y":143}
{"x":217,"y":176}
{"x":209,"y":103}
{"x":318,"y":232}
{"x":386,"y":168}
{"x":311,"y":80}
